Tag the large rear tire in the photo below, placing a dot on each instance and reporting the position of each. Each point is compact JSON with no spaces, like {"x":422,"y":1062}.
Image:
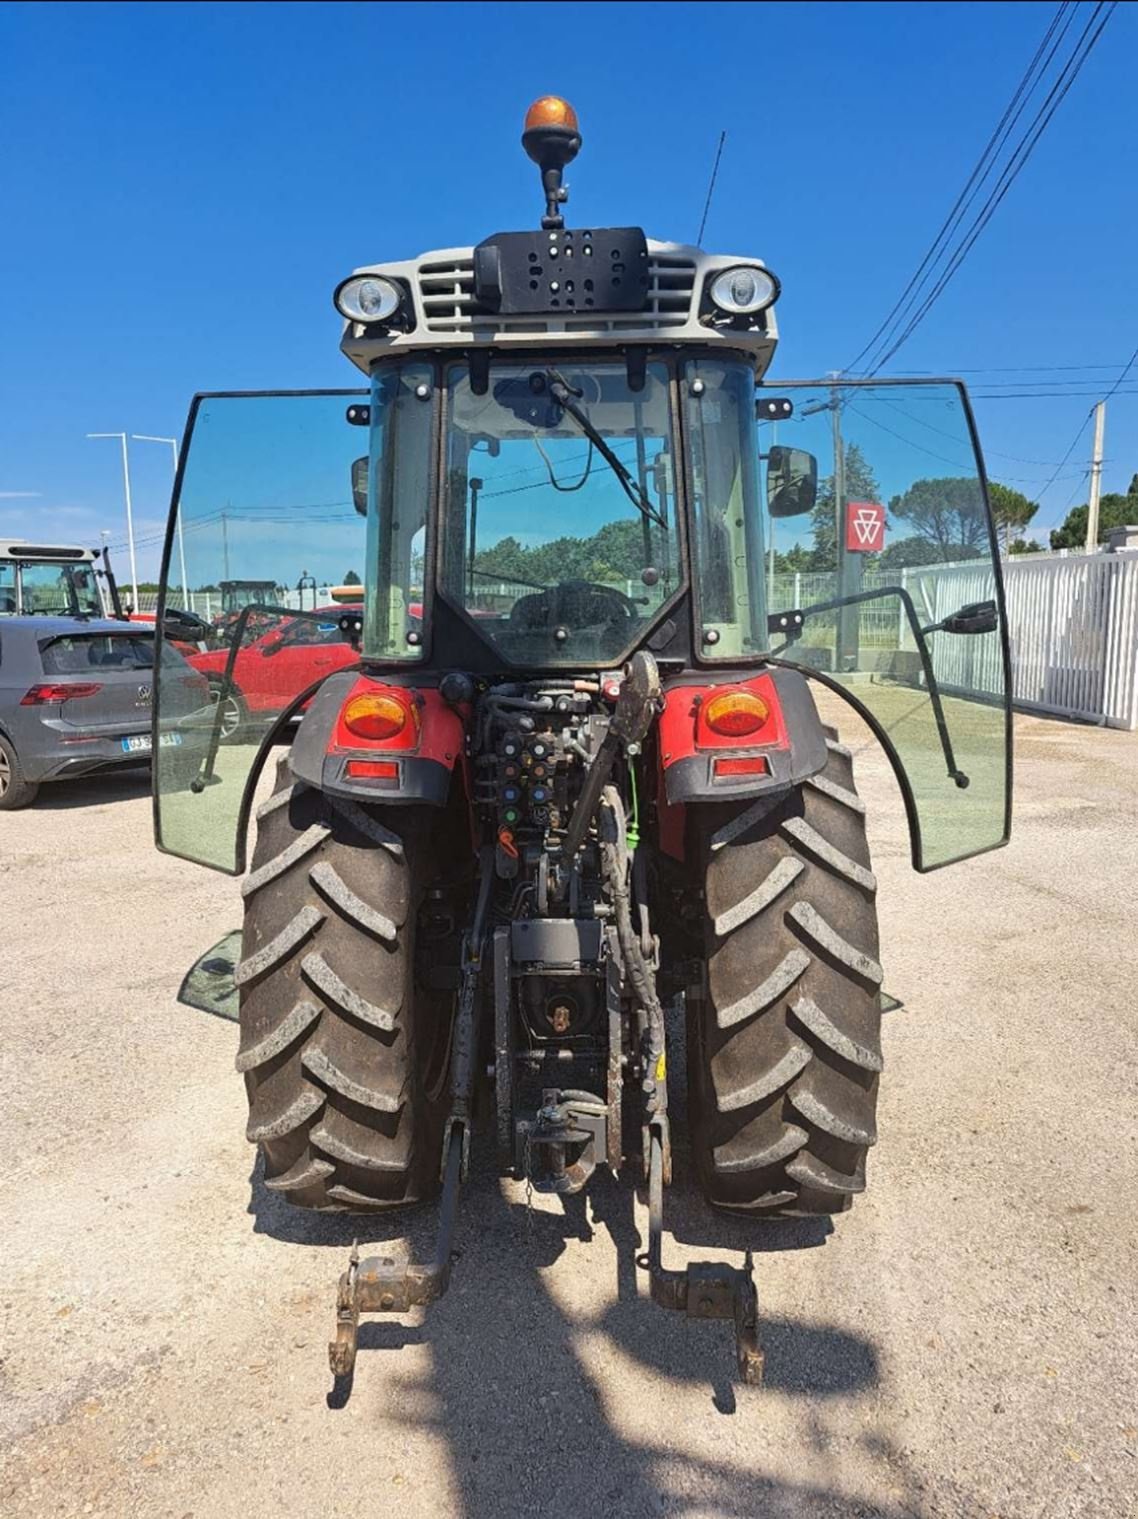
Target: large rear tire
{"x":344,"y":1057}
{"x":785,"y":1028}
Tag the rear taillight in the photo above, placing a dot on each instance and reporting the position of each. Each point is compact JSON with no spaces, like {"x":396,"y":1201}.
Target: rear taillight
{"x":372,"y":770}
{"x":741,"y":767}
{"x":40,"y":696}
{"x":375,"y":715}
{"x":736,"y":713}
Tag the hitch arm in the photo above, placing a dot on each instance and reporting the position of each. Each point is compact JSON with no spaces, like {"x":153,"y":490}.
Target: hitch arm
{"x":706,"y":1289}
{"x":380,"y":1284}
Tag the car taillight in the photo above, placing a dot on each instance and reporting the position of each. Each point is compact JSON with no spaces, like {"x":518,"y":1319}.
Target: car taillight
{"x":736,"y":713}
{"x":376,"y":716}
{"x":39,"y":696}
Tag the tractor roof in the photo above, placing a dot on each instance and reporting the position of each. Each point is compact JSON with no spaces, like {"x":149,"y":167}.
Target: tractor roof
{"x":445,"y":309}
{"x":557,"y":287}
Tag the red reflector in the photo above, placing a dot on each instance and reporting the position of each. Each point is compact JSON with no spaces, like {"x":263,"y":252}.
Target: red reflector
{"x":39,"y":695}
{"x":373,"y":770}
{"x":751,"y":764}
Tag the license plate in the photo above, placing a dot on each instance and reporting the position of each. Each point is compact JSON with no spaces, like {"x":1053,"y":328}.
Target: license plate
{"x":139,"y":743}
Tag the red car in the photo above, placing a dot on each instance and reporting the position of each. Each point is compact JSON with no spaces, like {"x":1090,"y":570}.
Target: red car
{"x":273,"y":669}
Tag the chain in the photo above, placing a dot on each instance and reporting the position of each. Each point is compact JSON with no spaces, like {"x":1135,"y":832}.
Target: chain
{"x":529,"y":1184}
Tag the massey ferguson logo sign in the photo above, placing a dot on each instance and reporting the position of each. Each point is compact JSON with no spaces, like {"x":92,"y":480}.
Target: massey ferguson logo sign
{"x":865,"y":527}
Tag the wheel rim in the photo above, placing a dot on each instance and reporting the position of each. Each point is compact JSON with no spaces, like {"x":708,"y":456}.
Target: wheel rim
{"x":5,"y":773}
{"x":230,"y":713}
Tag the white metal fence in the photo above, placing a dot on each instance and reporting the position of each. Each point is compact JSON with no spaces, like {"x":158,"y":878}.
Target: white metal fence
{"x":1072,"y":620}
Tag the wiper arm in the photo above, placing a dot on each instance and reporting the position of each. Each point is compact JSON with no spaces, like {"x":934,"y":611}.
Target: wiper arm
{"x":493,"y":574}
{"x":565,"y":396}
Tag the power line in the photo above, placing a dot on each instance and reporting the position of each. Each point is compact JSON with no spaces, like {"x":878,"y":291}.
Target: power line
{"x":1011,"y":171}
{"x":1067,"y":455}
{"x":979,"y":172}
{"x":1035,"y":395}
{"x":711,"y":188}
{"x":1129,"y":366}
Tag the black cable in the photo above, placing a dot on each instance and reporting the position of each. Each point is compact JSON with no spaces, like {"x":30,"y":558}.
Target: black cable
{"x":566,"y":490}
{"x":1129,"y":366}
{"x":1067,"y":455}
{"x":1014,"y":167}
{"x":957,"y":209}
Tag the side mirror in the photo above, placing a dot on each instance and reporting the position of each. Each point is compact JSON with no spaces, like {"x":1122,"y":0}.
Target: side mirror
{"x":359,"y":485}
{"x":792,"y":481}
{"x":976,"y":617}
{"x":271,"y":644}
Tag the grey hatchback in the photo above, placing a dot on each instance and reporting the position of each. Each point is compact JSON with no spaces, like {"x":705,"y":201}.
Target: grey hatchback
{"x":75,"y":699}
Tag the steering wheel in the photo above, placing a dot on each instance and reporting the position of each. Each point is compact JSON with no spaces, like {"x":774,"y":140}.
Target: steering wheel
{"x":578,"y":603}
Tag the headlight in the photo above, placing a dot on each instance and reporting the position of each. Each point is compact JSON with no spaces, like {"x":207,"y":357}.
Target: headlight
{"x":744,"y":291}
{"x":367,"y":298}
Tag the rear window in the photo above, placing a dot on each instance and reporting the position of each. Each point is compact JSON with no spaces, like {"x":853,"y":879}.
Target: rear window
{"x":80,"y":653}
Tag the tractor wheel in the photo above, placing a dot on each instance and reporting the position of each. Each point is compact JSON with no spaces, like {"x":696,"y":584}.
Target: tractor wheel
{"x":785,"y":1030}
{"x":345,"y":1059}
{"x":15,"y":791}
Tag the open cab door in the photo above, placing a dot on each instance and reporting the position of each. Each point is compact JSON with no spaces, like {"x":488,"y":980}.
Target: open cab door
{"x":263,"y":499}
{"x":883,"y":580}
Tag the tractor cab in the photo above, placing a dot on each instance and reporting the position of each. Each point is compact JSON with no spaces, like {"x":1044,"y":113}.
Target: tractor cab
{"x":55,"y":580}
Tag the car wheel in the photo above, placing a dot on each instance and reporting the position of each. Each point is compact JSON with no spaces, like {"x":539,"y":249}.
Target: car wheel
{"x":15,"y":791}
{"x":232,"y":712}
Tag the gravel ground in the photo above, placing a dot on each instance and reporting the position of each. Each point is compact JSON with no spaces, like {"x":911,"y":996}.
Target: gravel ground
{"x":962,"y":1343}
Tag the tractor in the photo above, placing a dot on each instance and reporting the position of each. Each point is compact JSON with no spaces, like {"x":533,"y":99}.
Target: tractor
{"x":565,"y":796}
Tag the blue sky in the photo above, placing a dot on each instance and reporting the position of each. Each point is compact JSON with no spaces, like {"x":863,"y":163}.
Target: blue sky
{"x":183,"y":185}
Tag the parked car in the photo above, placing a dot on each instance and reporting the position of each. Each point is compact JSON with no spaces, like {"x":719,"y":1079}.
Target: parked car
{"x":273,"y":669}
{"x":75,"y":699}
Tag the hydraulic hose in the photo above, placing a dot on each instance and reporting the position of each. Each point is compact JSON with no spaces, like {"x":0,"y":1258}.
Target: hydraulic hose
{"x":615,"y":863}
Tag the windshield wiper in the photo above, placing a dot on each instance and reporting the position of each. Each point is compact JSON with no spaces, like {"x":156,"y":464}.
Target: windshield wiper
{"x":493,"y":574}
{"x":565,"y":396}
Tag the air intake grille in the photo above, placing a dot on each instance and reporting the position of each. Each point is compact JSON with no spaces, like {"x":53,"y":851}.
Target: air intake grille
{"x":446,"y":294}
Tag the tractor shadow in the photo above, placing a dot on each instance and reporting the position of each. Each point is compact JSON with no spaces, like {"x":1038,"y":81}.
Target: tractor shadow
{"x":520,"y":1387}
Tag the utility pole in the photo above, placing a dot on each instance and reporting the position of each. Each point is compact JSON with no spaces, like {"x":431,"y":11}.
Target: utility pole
{"x":1096,"y":478}
{"x":144,"y":437}
{"x":129,"y":512}
{"x":225,"y":539}
{"x":849,"y":565}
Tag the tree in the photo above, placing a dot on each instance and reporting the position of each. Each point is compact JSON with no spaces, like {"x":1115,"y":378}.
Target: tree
{"x":861,"y":485}
{"x":948,"y":512}
{"x":1019,"y":546}
{"x":1113,"y":511}
{"x":351,"y":578}
{"x":1011,"y":509}
{"x":908,"y":553}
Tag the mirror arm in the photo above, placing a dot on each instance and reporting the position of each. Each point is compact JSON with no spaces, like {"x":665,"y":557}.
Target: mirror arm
{"x":955,"y":774}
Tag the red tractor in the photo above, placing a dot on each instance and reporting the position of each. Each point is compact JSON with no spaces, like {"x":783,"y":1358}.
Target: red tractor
{"x":573,"y":799}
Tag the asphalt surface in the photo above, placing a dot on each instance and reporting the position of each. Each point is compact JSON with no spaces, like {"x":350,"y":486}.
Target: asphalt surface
{"x":963,"y":1343}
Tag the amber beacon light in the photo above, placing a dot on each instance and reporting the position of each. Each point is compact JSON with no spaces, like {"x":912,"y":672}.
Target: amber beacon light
{"x":552,"y":139}
{"x":551,"y":111}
